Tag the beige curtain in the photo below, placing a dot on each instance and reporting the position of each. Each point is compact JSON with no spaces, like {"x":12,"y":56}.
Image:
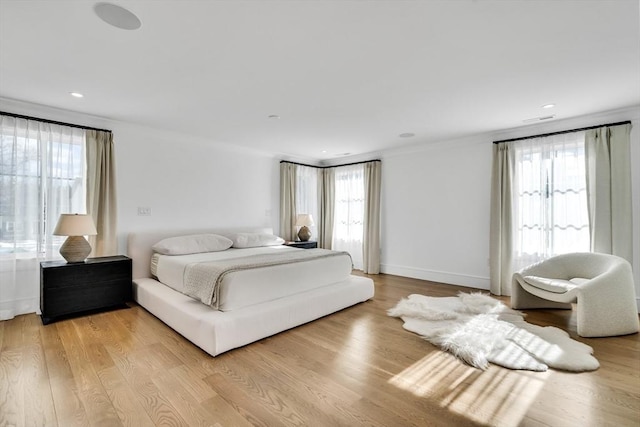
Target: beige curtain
{"x":501,"y":232}
{"x":327,"y":208}
{"x":371,"y":238}
{"x":101,"y":191}
{"x":609,"y":190}
{"x":288,"y":201}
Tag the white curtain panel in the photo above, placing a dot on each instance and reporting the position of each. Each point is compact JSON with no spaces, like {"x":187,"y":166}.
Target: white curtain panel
{"x":501,"y":234}
{"x":550,"y":200}
{"x":348,"y":230}
{"x":288,"y":200}
{"x":609,"y":190}
{"x":327,"y":211}
{"x":101,"y":192}
{"x":371,"y":243}
{"x":42,"y":175}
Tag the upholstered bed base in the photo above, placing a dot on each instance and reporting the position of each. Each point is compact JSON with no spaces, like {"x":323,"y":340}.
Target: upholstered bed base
{"x":216,"y":331}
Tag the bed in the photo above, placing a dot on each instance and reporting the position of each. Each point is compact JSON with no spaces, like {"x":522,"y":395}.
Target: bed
{"x":252,"y":303}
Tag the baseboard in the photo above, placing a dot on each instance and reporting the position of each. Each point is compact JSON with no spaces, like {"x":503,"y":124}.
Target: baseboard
{"x":437,"y":276}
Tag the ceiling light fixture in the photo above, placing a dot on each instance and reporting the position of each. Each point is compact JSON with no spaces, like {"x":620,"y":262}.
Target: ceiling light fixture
{"x":117,"y":16}
{"x":407,"y":135}
{"x":76,"y":94}
{"x":274,"y":116}
{"x":548,"y":106}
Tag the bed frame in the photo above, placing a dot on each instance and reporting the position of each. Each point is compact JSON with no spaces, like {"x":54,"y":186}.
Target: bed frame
{"x":215,"y":331}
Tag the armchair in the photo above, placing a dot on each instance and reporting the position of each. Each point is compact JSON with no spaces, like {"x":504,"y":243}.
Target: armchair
{"x":601,"y":285}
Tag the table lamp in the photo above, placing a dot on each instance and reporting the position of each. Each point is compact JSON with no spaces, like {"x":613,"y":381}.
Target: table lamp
{"x":75,"y":226}
{"x":304,"y":221}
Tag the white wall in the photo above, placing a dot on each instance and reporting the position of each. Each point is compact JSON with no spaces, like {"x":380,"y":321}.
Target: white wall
{"x":436,"y":203}
{"x":190,"y":183}
{"x":435,"y":213}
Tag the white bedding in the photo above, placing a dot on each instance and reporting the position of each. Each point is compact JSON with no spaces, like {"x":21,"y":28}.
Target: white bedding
{"x":248,"y":287}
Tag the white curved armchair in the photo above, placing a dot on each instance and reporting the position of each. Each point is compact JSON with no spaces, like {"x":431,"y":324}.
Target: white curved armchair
{"x":600,"y":284}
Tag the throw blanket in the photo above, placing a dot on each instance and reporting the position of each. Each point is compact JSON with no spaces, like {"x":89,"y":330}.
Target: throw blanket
{"x":202,"y":280}
{"x":479,"y":329}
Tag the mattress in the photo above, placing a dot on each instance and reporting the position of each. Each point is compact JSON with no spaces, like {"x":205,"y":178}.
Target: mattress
{"x":254,"y":286}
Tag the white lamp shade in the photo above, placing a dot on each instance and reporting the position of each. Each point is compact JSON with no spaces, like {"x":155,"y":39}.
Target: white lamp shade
{"x":304,"y":220}
{"x":75,"y":225}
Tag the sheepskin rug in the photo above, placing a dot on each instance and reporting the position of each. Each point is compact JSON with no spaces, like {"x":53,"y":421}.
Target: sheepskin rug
{"x":481,"y":330}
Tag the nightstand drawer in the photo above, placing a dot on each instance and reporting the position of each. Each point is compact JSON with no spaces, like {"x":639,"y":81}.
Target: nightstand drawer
{"x":62,"y":301}
{"x":81,"y":274}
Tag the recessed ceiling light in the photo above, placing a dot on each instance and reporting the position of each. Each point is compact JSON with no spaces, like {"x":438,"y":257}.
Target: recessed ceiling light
{"x":548,"y":105}
{"x":274,"y":116}
{"x":76,"y":94}
{"x":407,"y":135}
{"x":323,"y":151}
{"x":117,"y":16}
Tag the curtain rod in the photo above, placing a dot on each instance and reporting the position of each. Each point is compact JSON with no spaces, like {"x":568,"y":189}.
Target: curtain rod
{"x":563,"y":131}
{"x":327,"y":167}
{"x":53,"y":122}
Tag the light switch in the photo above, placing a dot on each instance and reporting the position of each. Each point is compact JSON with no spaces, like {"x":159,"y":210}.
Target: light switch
{"x":144,"y":211}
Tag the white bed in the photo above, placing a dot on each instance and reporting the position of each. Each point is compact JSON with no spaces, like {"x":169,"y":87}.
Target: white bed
{"x":265,"y":308}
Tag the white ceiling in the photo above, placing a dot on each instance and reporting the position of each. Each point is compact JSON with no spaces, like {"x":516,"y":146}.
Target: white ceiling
{"x":344,"y":76}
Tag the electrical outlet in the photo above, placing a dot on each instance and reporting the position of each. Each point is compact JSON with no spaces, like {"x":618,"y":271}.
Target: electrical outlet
{"x":144,"y":211}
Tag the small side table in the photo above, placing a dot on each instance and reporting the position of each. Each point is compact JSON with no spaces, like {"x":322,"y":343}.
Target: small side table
{"x":73,"y":288}
{"x":302,"y":245}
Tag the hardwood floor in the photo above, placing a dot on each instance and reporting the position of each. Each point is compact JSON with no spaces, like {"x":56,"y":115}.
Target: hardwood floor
{"x":356,"y":367}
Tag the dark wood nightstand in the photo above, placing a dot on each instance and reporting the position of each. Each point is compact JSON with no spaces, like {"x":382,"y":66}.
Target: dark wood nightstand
{"x":302,"y":245}
{"x":72,"y":288}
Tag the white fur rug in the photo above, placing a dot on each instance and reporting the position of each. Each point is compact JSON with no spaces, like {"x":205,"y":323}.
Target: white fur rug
{"x":479,"y":329}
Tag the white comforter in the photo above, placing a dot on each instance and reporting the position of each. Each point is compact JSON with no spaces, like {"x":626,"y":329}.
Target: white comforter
{"x":202,"y":280}
{"x":247,"y":287}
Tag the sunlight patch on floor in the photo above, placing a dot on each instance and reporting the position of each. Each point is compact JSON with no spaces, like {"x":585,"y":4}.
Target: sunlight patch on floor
{"x":356,"y":356}
{"x":359,"y":341}
{"x":496,"y":396}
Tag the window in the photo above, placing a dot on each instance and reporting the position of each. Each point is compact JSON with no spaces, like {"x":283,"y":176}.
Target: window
{"x":42,"y":174}
{"x":307,"y":194}
{"x":348,"y":200}
{"x":348,"y":230}
{"x":551,"y":212}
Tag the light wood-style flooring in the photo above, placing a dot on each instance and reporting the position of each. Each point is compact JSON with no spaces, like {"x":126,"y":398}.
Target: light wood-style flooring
{"x":356,"y":367}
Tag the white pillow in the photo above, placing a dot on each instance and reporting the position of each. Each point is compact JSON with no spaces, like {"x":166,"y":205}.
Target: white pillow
{"x":252,"y":240}
{"x":193,"y":244}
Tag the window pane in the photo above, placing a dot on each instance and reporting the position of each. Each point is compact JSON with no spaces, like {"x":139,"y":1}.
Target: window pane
{"x":307,"y":194}
{"x":348,"y":231}
{"x":41,"y":176}
{"x":551,"y":202}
